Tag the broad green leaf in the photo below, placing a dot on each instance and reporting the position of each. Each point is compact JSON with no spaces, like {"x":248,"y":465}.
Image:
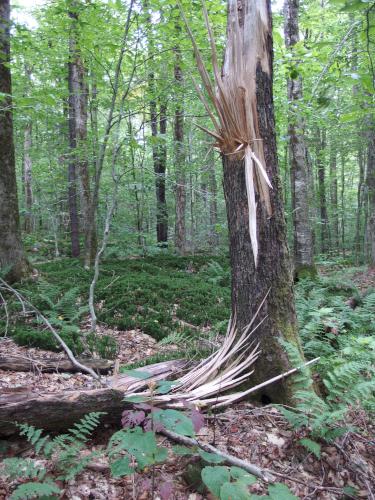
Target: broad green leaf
{"x":234,"y":491}
{"x":212,"y":458}
{"x":175,"y":421}
{"x":215,"y":477}
{"x":141,"y":375}
{"x":242,"y":475}
{"x":280,"y":491}
{"x":121,"y":467}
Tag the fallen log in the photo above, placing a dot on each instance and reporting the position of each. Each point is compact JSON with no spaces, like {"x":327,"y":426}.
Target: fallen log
{"x":57,"y":411}
{"x":24,"y":364}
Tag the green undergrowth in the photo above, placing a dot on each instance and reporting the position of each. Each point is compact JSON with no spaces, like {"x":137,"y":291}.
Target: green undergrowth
{"x":150,"y":293}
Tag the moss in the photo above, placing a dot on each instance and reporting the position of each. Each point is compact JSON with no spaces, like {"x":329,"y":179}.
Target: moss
{"x":305,"y":272}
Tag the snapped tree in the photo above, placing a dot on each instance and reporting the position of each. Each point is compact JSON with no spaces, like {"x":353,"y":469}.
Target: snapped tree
{"x":245,"y":136}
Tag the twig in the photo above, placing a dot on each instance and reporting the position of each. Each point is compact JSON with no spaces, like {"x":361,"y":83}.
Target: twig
{"x":68,"y":351}
{"x":263,"y":474}
{"x":6,"y":314}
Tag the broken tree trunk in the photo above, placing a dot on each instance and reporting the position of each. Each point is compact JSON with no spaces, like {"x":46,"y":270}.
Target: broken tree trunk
{"x":24,"y":364}
{"x":59,"y":410}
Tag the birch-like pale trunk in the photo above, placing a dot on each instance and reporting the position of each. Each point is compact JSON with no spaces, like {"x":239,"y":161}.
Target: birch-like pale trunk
{"x":299,"y":176}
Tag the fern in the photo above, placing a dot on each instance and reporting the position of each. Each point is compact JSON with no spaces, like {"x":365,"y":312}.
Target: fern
{"x":25,"y":467}
{"x":67,"y":446}
{"x":35,"y":490}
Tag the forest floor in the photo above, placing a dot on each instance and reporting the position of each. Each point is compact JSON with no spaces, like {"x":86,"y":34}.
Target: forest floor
{"x":258,"y":434}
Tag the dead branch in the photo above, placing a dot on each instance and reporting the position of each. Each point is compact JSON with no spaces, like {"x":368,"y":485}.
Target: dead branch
{"x":67,"y":350}
{"x":266,"y":476}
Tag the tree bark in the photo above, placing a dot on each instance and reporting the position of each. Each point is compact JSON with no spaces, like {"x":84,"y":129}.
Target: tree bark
{"x":272,"y":274}
{"x":12,"y":257}
{"x":19,"y":364}
{"x":358,"y":243}
{"x":78,"y":99}
{"x":213,"y":239}
{"x":59,"y":410}
{"x":320,"y":147}
{"x":333,"y":193}
{"x":180,"y":232}
{"x":27,"y":175}
{"x":303,"y":238}
{"x":370,"y":184}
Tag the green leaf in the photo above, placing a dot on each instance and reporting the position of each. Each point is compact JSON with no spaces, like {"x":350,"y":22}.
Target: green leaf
{"x":165,"y":386}
{"x":135,"y":399}
{"x":242,"y":475}
{"x":175,"y":421}
{"x":32,"y":490}
{"x":212,"y":458}
{"x":141,"y":375}
{"x":215,"y":477}
{"x":234,"y":491}
{"x":182,"y":450}
{"x":121,"y":467}
{"x":280,"y":491}
{"x":312,"y":446}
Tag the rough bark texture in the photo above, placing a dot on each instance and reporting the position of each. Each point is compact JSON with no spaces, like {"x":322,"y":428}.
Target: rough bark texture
{"x":78,"y":98}
{"x":59,"y":410}
{"x":273,"y":273}
{"x":303,"y":238}
{"x":358,"y":243}
{"x":27,"y":176}
{"x":18,"y":364}
{"x":320,"y":147}
{"x":213,"y":238}
{"x":12,"y":256}
{"x":72,"y":172}
{"x":180,"y":232}
{"x":333,"y":193}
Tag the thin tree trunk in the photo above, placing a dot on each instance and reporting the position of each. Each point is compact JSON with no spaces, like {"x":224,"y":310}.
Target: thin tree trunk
{"x":27,"y":175}
{"x":303,"y":240}
{"x":370,"y":184}
{"x":213,"y":239}
{"x":320,"y":147}
{"x":272,"y":275}
{"x":12,"y":257}
{"x":333,"y":193}
{"x":343,"y":203}
{"x":358,"y":243}
{"x":180,"y":233}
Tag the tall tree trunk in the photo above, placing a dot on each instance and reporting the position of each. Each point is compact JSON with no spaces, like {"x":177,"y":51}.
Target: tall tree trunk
{"x":12,"y":257}
{"x":78,"y":98}
{"x":333,"y":193}
{"x":320,"y":147}
{"x":180,"y":232}
{"x":303,"y":239}
{"x":159,"y":148}
{"x":358,"y":243}
{"x":27,"y":176}
{"x":213,"y":238}
{"x":272,"y":275}
{"x":342,"y":195}
{"x":72,"y":174}
{"x":370,"y":184}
